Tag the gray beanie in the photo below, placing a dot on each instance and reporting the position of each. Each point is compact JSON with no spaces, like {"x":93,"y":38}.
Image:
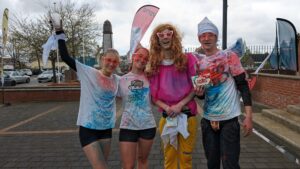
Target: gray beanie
{"x":207,"y":26}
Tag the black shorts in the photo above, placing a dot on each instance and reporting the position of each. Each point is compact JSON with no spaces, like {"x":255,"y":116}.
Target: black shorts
{"x":88,"y":136}
{"x":134,"y":135}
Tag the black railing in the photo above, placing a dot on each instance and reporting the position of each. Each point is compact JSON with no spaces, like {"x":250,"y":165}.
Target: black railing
{"x":254,"y":49}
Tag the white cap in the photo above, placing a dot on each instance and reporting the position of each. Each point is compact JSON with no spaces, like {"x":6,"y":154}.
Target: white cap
{"x":207,"y":26}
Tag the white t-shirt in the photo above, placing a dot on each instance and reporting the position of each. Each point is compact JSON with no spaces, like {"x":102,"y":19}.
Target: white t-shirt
{"x":97,"y":108}
{"x":222,"y":99}
{"x":136,"y":108}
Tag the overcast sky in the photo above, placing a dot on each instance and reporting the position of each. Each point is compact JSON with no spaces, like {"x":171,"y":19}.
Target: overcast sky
{"x":253,"y":20}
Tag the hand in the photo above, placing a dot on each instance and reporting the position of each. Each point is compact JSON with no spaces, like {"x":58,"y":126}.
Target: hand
{"x":176,"y":108}
{"x":215,"y":125}
{"x":173,"y":114}
{"x":168,"y":110}
{"x":247,"y":126}
{"x":199,"y":90}
{"x":56,"y":22}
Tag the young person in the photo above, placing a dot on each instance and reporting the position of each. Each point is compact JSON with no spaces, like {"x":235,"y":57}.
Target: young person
{"x":137,"y":128}
{"x":97,"y":110}
{"x":170,"y":72}
{"x":220,"y":126}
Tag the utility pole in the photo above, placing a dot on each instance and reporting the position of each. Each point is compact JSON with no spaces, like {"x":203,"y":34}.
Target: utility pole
{"x":57,"y":56}
{"x":224,"y":39}
{"x":2,"y":74}
{"x":54,"y":3}
{"x":83,"y":57}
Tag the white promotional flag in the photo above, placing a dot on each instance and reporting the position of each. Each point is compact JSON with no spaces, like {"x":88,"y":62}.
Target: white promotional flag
{"x":142,"y":19}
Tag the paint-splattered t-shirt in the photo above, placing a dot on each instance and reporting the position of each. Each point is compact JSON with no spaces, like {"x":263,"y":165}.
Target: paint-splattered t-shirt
{"x":97,"y":108}
{"x":137,"y":109}
{"x":221,"y":95}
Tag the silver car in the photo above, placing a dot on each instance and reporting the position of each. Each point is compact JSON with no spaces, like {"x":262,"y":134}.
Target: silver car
{"x":8,"y":81}
{"x":27,"y":72}
{"x":47,"y":76}
{"x":18,"y":77}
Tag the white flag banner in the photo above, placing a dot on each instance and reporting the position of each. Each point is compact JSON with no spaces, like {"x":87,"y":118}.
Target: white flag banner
{"x":142,"y":19}
{"x":51,"y":44}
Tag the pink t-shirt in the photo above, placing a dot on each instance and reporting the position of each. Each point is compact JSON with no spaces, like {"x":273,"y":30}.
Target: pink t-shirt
{"x":171,"y":86}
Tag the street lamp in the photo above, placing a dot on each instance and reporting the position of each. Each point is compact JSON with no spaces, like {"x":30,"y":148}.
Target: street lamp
{"x":57,"y":56}
{"x":83,"y":57}
{"x":224,"y":39}
{"x":2,"y":73}
{"x":2,"y":65}
{"x":54,"y":3}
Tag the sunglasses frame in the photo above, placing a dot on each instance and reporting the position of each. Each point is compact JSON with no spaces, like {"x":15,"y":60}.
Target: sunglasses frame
{"x":111,"y":61}
{"x":165,"y":34}
{"x":140,"y":57}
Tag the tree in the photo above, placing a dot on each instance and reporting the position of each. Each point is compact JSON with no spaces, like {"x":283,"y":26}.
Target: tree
{"x":246,"y":59}
{"x":28,"y":37}
{"x":78,"y":22}
{"x":80,"y":26}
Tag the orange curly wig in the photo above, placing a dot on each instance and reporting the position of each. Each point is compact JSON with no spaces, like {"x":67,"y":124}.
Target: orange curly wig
{"x":156,"y":55}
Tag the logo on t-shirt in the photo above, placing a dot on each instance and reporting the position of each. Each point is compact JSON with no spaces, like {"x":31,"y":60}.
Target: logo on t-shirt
{"x":136,"y":84}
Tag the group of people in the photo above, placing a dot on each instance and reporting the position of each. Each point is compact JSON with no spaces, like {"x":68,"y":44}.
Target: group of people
{"x":162,"y":76}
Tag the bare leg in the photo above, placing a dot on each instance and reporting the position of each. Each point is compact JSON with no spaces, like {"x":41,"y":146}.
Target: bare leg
{"x":96,"y":155}
{"x":105,"y":146}
{"x":143,"y":153}
{"x":128,"y":154}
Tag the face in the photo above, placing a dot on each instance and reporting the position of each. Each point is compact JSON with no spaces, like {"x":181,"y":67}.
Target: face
{"x":140,"y":59}
{"x":109,"y":63}
{"x":165,"y":38}
{"x":208,"y":41}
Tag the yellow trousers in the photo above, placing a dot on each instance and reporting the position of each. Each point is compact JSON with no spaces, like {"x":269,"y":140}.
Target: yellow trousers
{"x":183,"y":154}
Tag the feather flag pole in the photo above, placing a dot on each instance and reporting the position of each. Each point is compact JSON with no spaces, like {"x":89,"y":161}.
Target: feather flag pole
{"x":283,"y":55}
{"x":142,"y":19}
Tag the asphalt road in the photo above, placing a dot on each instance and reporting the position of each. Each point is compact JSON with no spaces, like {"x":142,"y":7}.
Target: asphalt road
{"x":44,"y":135}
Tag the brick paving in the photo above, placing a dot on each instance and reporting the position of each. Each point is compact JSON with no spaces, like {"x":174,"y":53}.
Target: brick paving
{"x":44,"y":135}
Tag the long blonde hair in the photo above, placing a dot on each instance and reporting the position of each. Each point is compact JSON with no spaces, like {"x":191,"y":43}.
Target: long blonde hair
{"x":156,"y":55}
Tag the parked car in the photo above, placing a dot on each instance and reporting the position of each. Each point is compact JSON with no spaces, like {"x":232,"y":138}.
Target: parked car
{"x":47,"y":76}
{"x":27,"y":72}
{"x":8,"y":81}
{"x":18,"y":77}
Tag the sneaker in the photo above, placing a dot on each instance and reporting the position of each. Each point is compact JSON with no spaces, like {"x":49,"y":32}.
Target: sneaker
{"x":56,"y":21}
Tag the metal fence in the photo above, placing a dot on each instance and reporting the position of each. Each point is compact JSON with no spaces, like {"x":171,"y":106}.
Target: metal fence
{"x":254,"y":49}
{"x":260,"y":49}
{"x":189,"y":49}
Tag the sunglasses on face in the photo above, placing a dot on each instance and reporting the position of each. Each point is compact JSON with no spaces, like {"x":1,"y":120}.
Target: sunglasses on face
{"x":111,"y":61}
{"x":138,"y":57}
{"x":207,"y":35}
{"x":163,"y":34}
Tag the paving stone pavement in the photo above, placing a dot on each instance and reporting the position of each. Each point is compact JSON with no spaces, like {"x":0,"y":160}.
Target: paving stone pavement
{"x":44,"y":136}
